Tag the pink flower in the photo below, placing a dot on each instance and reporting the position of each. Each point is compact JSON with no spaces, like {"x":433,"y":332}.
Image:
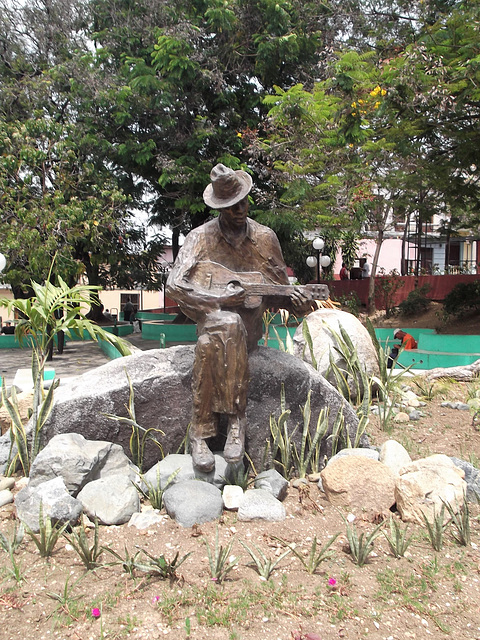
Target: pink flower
{"x":155,"y":599}
{"x":96,"y":613}
{"x":332,"y":582}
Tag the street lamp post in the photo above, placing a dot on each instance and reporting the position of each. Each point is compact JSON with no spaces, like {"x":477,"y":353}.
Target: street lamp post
{"x":319,"y":260}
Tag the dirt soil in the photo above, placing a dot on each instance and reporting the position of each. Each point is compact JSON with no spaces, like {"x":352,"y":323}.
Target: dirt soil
{"x":427,"y":594}
{"x":433,"y":318}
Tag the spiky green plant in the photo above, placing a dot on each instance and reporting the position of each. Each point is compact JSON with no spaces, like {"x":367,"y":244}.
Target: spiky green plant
{"x":155,"y":491}
{"x":161,"y":567}
{"x":128,"y":562}
{"x":309,"y":454}
{"x":282,"y":443}
{"x":460,"y":520}
{"x":361,"y":545}
{"x":49,"y":534}
{"x":10,"y":545}
{"x":315,"y":556}
{"x":89,"y":554}
{"x":140,"y":436}
{"x":219,"y":559}
{"x":397,"y":539}
{"x":436,"y":528}
{"x":263,"y":564}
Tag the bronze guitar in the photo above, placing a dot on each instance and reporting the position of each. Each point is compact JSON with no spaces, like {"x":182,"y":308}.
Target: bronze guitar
{"x":211,"y":275}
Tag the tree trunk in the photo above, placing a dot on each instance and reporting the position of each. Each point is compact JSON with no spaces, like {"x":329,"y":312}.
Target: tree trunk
{"x":371,"y":284}
{"x":463,"y":372}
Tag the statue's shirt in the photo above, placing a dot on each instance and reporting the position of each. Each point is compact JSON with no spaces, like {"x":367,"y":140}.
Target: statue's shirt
{"x":257,"y":251}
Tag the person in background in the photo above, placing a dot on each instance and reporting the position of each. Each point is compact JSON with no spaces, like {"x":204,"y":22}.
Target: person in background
{"x":8,"y":329}
{"x":343,"y":272}
{"x":366,"y":269}
{"x":128,"y":311}
{"x":408,"y":342}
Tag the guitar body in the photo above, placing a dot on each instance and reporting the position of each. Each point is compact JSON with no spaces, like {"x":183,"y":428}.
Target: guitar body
{"x":212,"y":275}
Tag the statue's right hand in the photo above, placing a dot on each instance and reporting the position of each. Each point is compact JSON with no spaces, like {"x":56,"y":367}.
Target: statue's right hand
{"x":233,"y":295}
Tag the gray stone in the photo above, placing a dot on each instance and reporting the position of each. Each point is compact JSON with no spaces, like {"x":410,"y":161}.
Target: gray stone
{"x":258,"y":504}
{"x":394,"y":455}
{"x":79,"y":461}
{"x":274,"y":482}
{"x":6,"y":497}
{"x":5,"y":445}
{"x":162,"y":380}
{"x":7,"y":483}
{"x":472,"y":478}
{"x":182,"y":463}
{"x":461,"y":406}
{"x":414,"y":415}
{"x":145,"y":519}
{"x":323,"y":324}
{"x":193,"y":502}
{"x":113,"y":500}
{"x":372,"y":454}
{"x":57,"y":504}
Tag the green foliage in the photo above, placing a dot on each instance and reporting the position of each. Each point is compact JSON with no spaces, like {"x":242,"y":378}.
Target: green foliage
{"x":49,"y":534}
{"x":89,"y":555}
{"x":351,"y":302}
{"x":52,"y":309}
{"x":140,"y":436}
{"x":263,"y":564}
{"x":416,"y":302}
{"x":27,"y":451}
{"x":463,"y":298}
{"x":239,"y":476}
{"x":219,"y":559}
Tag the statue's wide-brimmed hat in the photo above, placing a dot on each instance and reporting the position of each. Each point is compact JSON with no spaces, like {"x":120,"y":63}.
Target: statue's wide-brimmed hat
{"x":227,"y":187}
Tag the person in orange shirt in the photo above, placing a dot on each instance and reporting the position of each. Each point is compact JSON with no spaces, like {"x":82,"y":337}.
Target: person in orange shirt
{"x":408,"y":343}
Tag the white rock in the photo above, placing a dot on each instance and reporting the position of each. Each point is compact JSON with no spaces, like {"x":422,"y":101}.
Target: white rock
{"x":232,"y":497}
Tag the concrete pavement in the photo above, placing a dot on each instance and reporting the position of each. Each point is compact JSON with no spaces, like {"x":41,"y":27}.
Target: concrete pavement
{"x":77,"y":358}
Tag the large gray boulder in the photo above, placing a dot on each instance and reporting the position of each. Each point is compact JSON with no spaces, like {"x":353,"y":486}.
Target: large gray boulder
{"x":162,"y":380}
{"x":323,"y":324}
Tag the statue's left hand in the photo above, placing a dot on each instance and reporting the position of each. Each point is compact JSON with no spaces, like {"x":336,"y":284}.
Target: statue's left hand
{"x":301,"y":301}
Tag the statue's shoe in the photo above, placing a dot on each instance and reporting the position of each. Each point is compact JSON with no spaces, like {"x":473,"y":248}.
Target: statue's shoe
{"x":235,"y":445}
{"x":202,"y":458}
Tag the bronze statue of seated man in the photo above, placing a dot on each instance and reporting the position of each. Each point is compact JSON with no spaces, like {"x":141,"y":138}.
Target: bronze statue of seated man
{"x":227,"y":273}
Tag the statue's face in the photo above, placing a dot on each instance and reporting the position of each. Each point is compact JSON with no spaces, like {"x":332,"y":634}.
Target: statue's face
{"x":236,"y":215}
